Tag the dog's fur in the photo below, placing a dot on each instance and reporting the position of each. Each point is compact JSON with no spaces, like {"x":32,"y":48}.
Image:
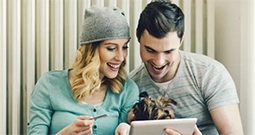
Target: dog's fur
{"x":150,"y":109}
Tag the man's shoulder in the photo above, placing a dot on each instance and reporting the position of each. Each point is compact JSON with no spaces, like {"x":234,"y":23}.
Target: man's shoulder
{"x":200,"y":60}
{"x":137,"y":72}
{"x":141,"y":77}
{"x":196,"y":56}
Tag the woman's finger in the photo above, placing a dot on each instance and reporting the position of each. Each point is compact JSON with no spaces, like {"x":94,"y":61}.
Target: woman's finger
{"x":84,"y":121}
{"x":88,"y":122}
{"x":84,"y":117}
{"x":86,"y":132}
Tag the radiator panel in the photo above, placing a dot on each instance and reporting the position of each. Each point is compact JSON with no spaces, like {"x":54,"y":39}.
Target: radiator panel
{"x":41,"y":35}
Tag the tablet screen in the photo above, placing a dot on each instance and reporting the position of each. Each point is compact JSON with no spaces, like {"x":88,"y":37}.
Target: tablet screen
{"x":156,"y":127}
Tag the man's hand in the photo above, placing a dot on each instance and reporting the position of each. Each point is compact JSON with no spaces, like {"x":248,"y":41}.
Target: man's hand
{"x":173,"y":132}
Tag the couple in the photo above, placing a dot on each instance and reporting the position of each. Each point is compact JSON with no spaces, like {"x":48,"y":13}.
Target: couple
{"x":65,"y":102}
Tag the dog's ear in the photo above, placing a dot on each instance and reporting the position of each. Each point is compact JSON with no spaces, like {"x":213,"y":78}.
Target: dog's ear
{"x":172,"y":102}
{"x":143,"y":94}
{"x":140,"y":110}
{"x":165,"y":101}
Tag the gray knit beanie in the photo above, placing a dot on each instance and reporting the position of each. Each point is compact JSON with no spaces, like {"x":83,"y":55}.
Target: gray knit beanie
{"x":102,"y":23}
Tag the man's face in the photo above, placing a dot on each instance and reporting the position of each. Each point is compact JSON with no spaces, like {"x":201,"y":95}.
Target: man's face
{"x":160,"y":55}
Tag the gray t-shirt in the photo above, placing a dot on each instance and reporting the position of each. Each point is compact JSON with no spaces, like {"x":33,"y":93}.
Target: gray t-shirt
{"x":200,"y":84}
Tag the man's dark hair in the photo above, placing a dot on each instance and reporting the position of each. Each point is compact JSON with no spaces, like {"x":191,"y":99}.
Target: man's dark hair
{"x":159,"y":18}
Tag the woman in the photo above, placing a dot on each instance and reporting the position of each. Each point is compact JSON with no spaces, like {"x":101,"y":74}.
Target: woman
{"x":65,"y":101}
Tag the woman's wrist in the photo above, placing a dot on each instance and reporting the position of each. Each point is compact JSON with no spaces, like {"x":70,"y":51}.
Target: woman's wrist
{"x":64,"y":131}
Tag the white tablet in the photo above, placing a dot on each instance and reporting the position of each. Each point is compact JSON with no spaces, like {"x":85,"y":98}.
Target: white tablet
{"x":185,"y":126}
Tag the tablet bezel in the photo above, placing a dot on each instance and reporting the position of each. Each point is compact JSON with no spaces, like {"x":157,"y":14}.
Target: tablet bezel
{"x":185,"y":126}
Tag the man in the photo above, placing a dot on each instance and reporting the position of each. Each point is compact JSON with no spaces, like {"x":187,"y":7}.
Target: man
{"x":201,"y":86}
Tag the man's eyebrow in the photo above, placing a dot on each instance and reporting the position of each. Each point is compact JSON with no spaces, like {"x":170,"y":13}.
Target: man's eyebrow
{"x":149,"y":48}
{"x":157,"y":51}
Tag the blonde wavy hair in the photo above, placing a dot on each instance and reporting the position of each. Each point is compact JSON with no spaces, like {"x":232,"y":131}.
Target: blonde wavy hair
{"x":86,"y":80}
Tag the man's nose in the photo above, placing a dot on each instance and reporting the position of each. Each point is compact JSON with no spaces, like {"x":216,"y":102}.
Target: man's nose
{"x":159,"y":59}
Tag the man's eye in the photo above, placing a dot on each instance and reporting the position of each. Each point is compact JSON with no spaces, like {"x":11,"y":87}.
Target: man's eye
{"x":169,"y":52}
{"x":125,"y":47}
{"x":149,"y":50}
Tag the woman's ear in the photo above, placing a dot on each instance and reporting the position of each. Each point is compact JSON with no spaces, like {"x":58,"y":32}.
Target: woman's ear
{"x":182,"y":39}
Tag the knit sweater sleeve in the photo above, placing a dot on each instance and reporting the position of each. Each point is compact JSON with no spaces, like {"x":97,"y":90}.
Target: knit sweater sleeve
{"x":131,"y":93}
{"x":40,"y":107}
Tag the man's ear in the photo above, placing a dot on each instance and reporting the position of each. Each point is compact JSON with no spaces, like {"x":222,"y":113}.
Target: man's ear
{"x":182,"y":39}
{"x":137,"y":36}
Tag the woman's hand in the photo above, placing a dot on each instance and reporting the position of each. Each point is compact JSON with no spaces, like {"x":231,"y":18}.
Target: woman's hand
{"x":122,"y":129}
{"x":82,"y":125}
{"x":173,"y":132}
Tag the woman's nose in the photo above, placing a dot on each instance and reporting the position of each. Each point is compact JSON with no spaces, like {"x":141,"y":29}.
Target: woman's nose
{"x":119,"y":56}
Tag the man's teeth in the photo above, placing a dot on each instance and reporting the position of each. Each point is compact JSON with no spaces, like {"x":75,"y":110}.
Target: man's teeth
{"x":159,"y":68}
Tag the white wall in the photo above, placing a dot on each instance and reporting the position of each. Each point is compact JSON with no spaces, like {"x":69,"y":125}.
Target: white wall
{"x":41,"y":35}
{"x":228,"y":35}
{"x":247,"y":72}
{"x":234,"y":47}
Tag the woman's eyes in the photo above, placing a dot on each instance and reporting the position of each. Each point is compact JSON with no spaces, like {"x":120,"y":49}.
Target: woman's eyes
{"x":111,"y":48}
{"x":114,"y":48}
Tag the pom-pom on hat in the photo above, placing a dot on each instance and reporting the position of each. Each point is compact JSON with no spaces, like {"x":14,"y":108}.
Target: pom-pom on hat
{"x":102,"y":23}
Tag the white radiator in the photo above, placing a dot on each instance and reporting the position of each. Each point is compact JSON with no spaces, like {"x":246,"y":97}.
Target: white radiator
{"x":41,"y":35}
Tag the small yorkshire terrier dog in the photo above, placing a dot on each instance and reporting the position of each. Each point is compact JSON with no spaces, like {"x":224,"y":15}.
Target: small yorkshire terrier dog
{"x":150,"y":109}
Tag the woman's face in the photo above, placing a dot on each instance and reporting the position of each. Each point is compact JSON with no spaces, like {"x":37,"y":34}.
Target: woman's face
{"x":112,"y":53}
